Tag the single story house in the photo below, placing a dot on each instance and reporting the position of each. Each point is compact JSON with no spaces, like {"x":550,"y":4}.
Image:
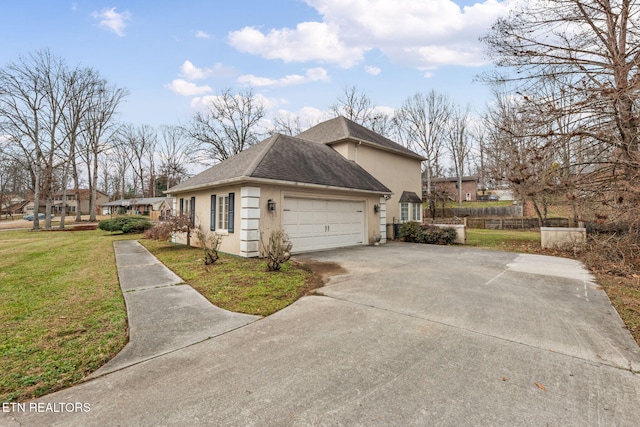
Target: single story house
{"x":337,"y":184}
{"x":13,"y":207}
{"x":155,"y":207}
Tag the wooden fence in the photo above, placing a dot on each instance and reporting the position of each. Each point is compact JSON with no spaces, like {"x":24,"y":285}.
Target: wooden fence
{"x":487,"y":211}
{"x":501,"y":223}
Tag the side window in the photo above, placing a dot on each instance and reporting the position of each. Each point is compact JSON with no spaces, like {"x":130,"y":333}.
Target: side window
{"x":192,"y":213}
{"x":181,"y":211}
{"x":212,"y":216}
{"x":231,"y":213}
{"x":416,"y":212}
{"x":223,"y":212}
{"x":404,"y":212}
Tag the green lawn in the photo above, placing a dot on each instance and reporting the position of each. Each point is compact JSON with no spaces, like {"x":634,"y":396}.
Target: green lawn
{"x":62,"y":313}
{"x":236,"y":284}
{"x":505,"y":240}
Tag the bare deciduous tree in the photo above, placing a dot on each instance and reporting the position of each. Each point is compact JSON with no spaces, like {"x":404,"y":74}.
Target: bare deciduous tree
{"x":229,"y":125}
{"x":358,"y":107}
{"x":175,"y":152}
{"x":286,"y":125}
{"x":518,"y":152}
{"x":589,"y":52}
{"x":459,"y":144}
{"x":32,"y":98}
{"x":421,"y":125}
{"x":141,"y":143}
{"x":98,"y":128}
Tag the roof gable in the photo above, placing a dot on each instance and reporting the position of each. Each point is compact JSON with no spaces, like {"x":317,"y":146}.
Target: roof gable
{"x":341,"y":128}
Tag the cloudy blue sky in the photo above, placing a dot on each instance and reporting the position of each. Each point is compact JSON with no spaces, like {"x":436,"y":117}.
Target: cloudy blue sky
{"x":297,"y":55}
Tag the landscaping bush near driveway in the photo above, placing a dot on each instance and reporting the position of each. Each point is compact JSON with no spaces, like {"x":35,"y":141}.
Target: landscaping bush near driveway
{"x":418,"y":233}
{"x":125,"y":224}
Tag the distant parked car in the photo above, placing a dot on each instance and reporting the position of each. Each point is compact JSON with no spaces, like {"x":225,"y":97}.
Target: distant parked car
{"x":29,"y":217}
{"x":493,"y":197}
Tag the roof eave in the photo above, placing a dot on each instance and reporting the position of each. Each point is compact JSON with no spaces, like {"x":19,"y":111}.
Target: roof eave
{"x":246,"y":179}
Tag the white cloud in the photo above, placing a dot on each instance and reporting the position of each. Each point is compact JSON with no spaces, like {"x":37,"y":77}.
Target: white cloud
{"x":183,"y":87}
{"x":412,"y":32}
{"x":311,"y":75}
{"x":202,"y":35}
{"x":191,"y":72}
{"x":374,"y":71}
{"x":112,"y":20}
{"x":309,"y":41}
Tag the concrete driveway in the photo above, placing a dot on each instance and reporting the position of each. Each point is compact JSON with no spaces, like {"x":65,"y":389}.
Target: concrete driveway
{"x":407,"y":335}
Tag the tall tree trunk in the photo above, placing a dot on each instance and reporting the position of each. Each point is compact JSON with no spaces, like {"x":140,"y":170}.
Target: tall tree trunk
{"x":94,"y":189}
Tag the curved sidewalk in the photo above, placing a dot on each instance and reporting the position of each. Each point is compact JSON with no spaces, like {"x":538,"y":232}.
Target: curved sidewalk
{"x":164,"y":313}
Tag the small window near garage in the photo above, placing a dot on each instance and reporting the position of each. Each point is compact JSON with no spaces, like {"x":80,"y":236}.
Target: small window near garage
{"x":212,"y":216}
{"x":181,"y":206}
{"x":223,"y":212}
{"x":192,"y":208}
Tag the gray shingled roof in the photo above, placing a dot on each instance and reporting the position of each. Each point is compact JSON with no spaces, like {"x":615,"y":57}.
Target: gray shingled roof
{"x":341,"y":128}
{"x":286,"y":158}
{"x":139,"y":201}
{"x":410,"y":197}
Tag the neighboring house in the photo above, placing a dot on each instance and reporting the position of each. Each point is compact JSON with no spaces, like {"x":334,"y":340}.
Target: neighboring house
{"x":14,"y":207}
{"x":448,"y":187}
{"x":155,"y":207}
{"x":337,"y":184}
{"x":85,"y":196}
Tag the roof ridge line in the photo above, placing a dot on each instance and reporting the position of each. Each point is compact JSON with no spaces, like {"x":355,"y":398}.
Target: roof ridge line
{"x":258,"y":159}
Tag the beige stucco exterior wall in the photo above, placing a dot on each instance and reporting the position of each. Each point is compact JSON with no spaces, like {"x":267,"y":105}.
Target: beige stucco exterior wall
{"x":271,"y":220}
{"x":399,"y":173}
{"x":231,"y":241}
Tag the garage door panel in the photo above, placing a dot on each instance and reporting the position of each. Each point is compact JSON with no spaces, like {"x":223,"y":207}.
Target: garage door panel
{"x":314,"y":224}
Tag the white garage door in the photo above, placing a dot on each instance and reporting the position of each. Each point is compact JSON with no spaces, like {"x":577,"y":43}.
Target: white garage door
{"x":314,"y":224}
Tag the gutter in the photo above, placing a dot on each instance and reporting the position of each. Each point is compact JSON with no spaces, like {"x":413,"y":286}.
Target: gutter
{"x":247,"y":179}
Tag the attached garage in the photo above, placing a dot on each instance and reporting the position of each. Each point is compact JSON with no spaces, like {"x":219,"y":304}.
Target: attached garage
{"x":314,"y":224}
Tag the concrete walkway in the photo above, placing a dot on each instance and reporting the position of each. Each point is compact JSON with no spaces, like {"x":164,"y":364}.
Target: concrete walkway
{"x":165,"y":314}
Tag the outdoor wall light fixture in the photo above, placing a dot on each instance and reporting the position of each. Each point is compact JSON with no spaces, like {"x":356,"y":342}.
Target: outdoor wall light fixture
{"x":376,"y":208}
{"x":271,"y":205}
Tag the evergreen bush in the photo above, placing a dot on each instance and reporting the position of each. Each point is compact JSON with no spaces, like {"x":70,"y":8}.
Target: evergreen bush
{"x":125,"y":225}
{"x":415,"y":232}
